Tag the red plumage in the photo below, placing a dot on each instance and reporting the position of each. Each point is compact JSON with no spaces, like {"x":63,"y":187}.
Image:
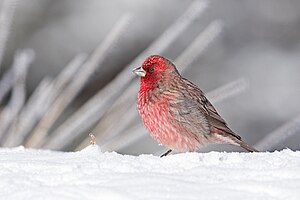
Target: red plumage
{"x":175,"y":111}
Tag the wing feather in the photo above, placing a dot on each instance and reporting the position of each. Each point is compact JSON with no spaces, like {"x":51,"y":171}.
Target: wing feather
{"x":195,"y":111}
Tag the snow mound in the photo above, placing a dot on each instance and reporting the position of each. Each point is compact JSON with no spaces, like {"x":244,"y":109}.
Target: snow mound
{"x":90,"y":174}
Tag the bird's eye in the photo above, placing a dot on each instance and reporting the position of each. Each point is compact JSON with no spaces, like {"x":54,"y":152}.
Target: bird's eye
{"x":151,"y":69}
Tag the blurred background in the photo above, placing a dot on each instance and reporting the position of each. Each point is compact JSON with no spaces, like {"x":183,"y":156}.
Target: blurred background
{"x":66,"y":69}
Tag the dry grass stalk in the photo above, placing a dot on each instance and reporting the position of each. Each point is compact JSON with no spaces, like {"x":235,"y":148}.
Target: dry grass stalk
{"x":22,"y":61}
{"x":40,"y":101}
{"x":73,"y":89}
{"x":7,"y":12}
{"x":30,"y":114}
{"x":279,"y":135}
{"x":6,"y":83}
{"x":57,"y":93}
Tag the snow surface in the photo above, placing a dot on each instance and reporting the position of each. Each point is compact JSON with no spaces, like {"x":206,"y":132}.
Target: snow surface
{"x":90,"y":174}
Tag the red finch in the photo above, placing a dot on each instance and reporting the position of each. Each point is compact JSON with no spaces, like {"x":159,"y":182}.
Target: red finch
{"x":176,"y":112}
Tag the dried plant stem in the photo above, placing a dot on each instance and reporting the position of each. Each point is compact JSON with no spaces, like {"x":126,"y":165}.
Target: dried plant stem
{"x":20,"y":67}
{"x":108,"y":129}
{"x":124,"y":121}
{"x":228,"y":90}
{"x":279,"y":135}
{"x":198,"y":45}
{"x":92,"y":139}
{"x":41,"y":100}
{"x":6,"y":83}
{"x":129,"y":137}
{"x":73,"y":89}
{"x":7,"y":12}
{"x":30,"y":114}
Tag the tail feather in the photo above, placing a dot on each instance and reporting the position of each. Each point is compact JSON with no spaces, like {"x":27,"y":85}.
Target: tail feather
{"x":230,"y":138}
{"x":247,"y":147}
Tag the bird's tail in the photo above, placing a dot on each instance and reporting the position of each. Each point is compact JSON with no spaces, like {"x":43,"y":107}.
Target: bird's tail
{"x":247,"y":146}
{"x":229,"y":137}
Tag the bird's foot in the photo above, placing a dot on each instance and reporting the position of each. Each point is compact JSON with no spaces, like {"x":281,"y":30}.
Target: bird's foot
{"x":165,"y":154}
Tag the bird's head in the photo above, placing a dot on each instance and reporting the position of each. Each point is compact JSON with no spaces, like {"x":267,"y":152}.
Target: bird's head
{"x":154,"y":69}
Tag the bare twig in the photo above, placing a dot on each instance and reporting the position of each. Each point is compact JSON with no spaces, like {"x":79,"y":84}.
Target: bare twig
{"x":6,"y":16}
{"x":21,"y":63}
{"x":279,"y":135}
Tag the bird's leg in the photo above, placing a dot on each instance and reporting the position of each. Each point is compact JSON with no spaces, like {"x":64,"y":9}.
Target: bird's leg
{"x":165,"y":154}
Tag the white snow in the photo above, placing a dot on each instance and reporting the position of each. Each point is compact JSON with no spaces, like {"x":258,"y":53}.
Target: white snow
{"x":90,"y":174}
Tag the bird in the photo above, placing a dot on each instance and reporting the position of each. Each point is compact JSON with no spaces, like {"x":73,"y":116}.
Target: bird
{"x":176,"y":112}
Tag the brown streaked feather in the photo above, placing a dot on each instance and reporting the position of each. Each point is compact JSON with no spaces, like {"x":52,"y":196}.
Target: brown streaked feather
{"x":207,"y":109}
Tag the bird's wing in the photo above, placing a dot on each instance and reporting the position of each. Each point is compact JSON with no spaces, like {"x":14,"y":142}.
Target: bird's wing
{"x":199,"y":110}
{"x":186,"y":110}
{"x":188,"y":114}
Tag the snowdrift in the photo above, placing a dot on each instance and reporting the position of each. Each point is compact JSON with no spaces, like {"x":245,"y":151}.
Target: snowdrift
{"x":90,"y":174}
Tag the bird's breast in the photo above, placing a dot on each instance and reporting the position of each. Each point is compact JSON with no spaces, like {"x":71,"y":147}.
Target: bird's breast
{"x":154,"y":110}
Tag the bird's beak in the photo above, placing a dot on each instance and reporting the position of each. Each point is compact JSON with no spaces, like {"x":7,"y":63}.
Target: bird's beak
{"x":139,"y":71}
